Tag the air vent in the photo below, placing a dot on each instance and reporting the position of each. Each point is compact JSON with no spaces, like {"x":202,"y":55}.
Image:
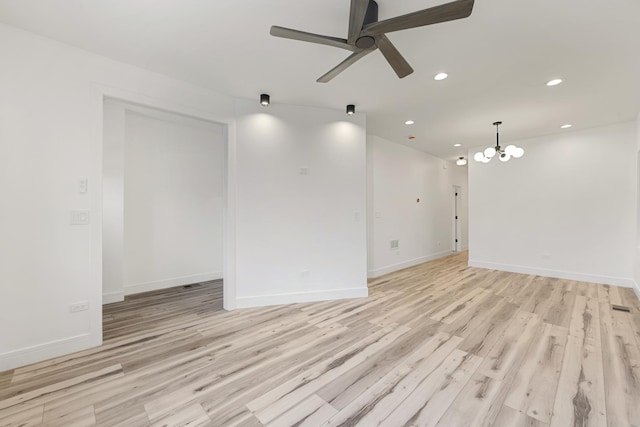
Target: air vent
{"x":620,"y":308}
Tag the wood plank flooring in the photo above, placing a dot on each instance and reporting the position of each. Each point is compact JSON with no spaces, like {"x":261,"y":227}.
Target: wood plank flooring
{"x":439,"y":344}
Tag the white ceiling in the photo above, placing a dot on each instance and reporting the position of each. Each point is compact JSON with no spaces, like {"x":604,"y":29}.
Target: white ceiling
{"x":498,"y":60}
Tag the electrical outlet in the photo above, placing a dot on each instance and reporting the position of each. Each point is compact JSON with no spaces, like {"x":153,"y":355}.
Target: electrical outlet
{"x":79,"y":217}
{"x":395,"y":244}
{"x":79,"y":306}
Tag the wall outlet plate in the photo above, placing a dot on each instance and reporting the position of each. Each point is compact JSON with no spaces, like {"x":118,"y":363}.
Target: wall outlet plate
{"x":79,"y":217}
{"x":79,"y":306}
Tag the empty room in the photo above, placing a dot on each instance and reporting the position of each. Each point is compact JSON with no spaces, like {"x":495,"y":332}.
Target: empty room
{"x":319,"y":213}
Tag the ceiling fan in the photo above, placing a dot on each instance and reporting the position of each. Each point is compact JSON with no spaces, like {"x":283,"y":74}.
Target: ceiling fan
{"x":367,"y":34}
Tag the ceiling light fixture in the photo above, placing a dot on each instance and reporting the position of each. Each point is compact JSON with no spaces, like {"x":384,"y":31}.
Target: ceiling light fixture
{"x":461,"y":161}
{"x":457,"y":145}
{"x":503,"y":154}
{"x":351,"y":109}
{"x":554,"y":82}
{"x":265,"y":100}
{"x":440,"y":76}
{"x":409,"y":122}
{"x":567,"y":126}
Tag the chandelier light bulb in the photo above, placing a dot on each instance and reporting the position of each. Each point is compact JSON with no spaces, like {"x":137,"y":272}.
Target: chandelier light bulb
{"x":479,"y":156}
{"x":504,"y":157}
{"x":489,"y":152}
{"x":486,"y":160}
{"x":510,"y":149}
{"x":519,"y":152}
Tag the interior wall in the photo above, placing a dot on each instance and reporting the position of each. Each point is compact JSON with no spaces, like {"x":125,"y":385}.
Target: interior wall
{"x":301,"y":204}
{"x":174,"y":175}
{"x":113,"y":141}
{"x":565,"y":209}
{"x":397,"y":177}
{"x":51,"y":111}
{"x":637,"y":251}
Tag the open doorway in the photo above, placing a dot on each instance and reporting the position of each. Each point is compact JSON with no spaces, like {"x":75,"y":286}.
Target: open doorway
{"x":164,"y":179}
{"x":456,"y":241}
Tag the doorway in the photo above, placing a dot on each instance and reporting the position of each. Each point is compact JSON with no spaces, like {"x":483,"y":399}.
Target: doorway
{"x":164,"y":198}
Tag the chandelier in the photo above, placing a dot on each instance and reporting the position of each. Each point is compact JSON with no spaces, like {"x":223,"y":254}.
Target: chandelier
{"x":503,"y":154}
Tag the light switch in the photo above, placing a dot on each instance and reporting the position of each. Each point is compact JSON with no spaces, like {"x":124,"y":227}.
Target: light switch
{"x":79,"y":217}
{"x":83,"y":185}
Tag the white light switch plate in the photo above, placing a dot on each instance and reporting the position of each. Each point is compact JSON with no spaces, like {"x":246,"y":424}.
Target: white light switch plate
{"x":83,"y":185}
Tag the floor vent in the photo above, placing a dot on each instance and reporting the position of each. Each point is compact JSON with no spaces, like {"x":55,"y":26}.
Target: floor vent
{"x":620,"y":308}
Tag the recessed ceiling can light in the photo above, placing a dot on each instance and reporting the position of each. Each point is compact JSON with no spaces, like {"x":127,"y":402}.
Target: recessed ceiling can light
{"x":554,"y":82}
{"x":457,"y":145}
{"x":440,"y":76}
{"x":351,"y":109}
{"x":567,"y":126}
{"x":409,"y":122}
{"x":411,"y":138}
{"x":265,"y":100}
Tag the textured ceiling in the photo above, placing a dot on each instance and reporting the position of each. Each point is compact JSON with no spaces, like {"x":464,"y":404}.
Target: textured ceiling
{"x":498,"y":60}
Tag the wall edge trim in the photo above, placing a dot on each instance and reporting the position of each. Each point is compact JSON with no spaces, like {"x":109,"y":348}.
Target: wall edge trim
{"x":557,"y":274}
{"x":298,"y":297}
{"x":40,"y":352}
{"x":111,"y":297}
{"x":170,"y":283}
{"x":372,"y":274}
{"x":636,"y":288}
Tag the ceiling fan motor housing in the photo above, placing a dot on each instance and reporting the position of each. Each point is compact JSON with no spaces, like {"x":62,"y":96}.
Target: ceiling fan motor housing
{"x":366,"y":42}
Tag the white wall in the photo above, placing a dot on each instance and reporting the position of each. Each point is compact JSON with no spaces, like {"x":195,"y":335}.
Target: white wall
{"x":398,"y":176}
{"x":113,"y":141}
{"x":51,"y":113}
{"x":300,"y":237}
{"x":637,"y":251}
{"x":174,"y":175}
{"x":566,"y":209}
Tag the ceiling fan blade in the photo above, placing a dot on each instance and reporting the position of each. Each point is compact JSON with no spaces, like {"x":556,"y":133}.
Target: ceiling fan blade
{"x":393,"y":57}
{"x":357,"y":14}
{"x":344,"y":65}
{"x":445,"y":12}
{"x":288,"y":33}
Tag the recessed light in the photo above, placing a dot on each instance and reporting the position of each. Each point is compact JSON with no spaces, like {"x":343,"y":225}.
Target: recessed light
{"x":567,"y":126}
{"x":457,"y":145}
{"x":440,"y":76}
{"x":411,"y":138}
{"x":409,"y":122}
{"x":554,"y":82}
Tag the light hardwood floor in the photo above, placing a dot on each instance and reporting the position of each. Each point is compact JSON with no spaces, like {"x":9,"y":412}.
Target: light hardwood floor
{"x":440,"y":344}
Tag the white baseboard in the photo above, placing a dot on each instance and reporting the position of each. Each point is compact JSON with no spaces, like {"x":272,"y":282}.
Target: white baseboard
{"x":296,"y":297}
{"x":110,"y":297}
{"x":40,"y":352}
{"x":636,"y":288}
{"x":170,"y":283}
{"x":372,"y":274}
{"x":568,"y":275}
